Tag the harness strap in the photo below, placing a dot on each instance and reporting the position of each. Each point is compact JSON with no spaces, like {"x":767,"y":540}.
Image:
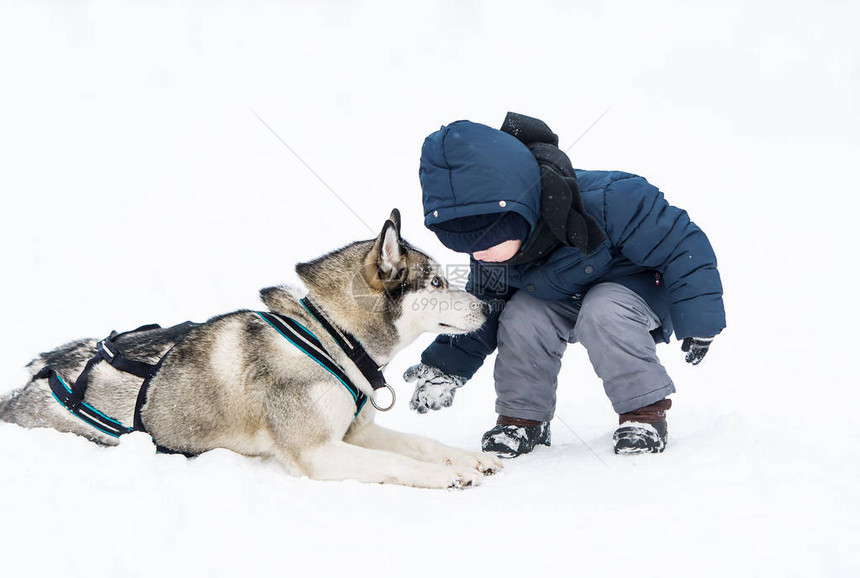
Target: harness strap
{"x":141,"y":400}
{"x":351,"y":346}
{"x":107,"y":351}
{"x":307,"y":343}
{"x":80,"y":409}
{"x":144,"y":389}
{"x":151,"y":373}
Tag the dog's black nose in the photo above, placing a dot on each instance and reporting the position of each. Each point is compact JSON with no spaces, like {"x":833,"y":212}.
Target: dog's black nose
{"x":485,"y":308}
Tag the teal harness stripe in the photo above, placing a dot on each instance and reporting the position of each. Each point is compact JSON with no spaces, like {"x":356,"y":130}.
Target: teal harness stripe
{"x":306,"y":342}
{"x":85,"y":408}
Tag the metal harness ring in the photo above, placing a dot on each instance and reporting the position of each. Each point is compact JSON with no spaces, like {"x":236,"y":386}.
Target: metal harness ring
{"x":393,"y":399}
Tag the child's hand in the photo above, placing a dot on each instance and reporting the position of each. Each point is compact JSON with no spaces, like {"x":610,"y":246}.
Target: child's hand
{"x":696,"y":348}
{"x":434,"y":389}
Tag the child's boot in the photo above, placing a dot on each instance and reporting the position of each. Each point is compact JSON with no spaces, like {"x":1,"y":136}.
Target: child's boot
{"x":644,"y":430}
{"x":514,"y":436}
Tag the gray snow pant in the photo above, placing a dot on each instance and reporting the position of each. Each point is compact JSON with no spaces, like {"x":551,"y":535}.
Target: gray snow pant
{"x":613,"y":324}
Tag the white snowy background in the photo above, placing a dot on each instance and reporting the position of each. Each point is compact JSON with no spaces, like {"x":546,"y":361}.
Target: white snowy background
{"x":140,"y":184}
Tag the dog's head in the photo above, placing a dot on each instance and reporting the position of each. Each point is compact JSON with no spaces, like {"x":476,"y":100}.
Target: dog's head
{"x":387,"y":280}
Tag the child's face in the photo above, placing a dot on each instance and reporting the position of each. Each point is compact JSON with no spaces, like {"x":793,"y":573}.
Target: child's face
{"x":498,"y":253}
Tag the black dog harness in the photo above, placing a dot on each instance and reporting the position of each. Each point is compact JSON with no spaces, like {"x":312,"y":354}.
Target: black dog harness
{"x":72,"y":397}
{"x":307,"y":342}
{"x":371,"y":370}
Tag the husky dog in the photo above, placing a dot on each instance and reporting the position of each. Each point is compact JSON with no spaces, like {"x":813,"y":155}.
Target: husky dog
{"x":235,"y":382}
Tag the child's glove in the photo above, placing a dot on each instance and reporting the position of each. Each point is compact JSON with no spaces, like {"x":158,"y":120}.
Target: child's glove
{"x":434,"y":389}
{"x":696,"y":348}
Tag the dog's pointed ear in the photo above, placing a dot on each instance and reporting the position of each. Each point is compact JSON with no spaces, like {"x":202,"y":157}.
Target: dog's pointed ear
{"x":385,"y":264}
{"x":395,"y":218}
{"x":389,"y":248}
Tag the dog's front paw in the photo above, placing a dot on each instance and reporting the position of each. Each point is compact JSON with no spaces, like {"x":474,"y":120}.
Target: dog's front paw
{"x":464,"y":478}
{"x":451,"y":477}
{"x":489,"y":463}
{"x":485,"y":463}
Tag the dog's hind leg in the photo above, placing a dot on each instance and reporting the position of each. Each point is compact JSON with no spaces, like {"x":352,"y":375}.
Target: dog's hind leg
{"x":338,"y":460}
{"x":373,"y":436}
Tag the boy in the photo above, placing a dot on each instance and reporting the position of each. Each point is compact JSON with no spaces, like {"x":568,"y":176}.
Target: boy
{"x":563,"y":256}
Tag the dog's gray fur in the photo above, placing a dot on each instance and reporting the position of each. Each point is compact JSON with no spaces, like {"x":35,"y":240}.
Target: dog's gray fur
{"x":234,"y":382}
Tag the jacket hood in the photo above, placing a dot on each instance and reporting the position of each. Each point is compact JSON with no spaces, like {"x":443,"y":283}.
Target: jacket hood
{"x":472,"y":169}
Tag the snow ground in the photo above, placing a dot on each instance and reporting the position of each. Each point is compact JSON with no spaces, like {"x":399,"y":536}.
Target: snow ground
{"x":129,"y":135}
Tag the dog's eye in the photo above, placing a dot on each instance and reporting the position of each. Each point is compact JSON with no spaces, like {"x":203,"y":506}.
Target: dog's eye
{"x":436,"y":282}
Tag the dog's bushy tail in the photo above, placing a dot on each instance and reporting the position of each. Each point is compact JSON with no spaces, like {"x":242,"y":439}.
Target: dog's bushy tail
{"x":6,"y":401}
